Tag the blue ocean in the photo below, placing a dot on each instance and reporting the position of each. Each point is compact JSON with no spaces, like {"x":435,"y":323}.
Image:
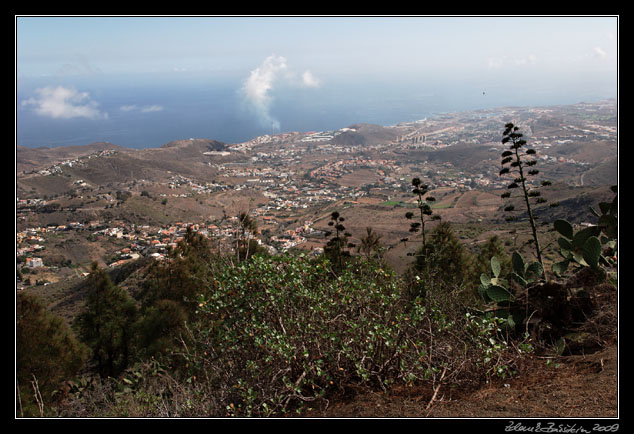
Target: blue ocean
{"x":150,"y":113}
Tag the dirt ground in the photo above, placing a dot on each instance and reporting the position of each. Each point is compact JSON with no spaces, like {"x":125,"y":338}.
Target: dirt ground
{"x":579,"y":386}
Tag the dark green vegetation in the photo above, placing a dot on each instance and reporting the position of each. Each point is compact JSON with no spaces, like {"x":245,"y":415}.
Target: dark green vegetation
{"x":48,"y":355}
{"x":270,"y":335}
{"x":207,"y":336}
{"x":241,"y":333}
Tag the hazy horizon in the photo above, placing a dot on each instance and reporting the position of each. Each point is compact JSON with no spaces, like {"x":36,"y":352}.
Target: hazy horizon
{"x":144,"y":81}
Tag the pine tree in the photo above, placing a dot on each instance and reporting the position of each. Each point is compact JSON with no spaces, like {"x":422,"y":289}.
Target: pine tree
{"x":46,"y":350}
{"x":169,"y":293}
{"x":157,"y":327}
{"x":444,"y":256}
{"x":178,"y":277}
{"x":106,"y":324}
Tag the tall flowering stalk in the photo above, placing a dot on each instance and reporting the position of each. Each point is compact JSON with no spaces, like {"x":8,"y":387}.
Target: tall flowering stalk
{"x":424,"y":208}
{"x":519,"y":165}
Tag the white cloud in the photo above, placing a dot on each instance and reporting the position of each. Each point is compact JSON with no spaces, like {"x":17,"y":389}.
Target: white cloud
{"x":531,"y":59}
{"x":308,"y":79}
{"x":495,"y":62}
{"x":63,"y":102}
{"x":257,"y":87}
{"x":151,"y":108}
{"x":143,"y":109}
{"x":82,"y":66}
{"x":599,"y":52}
{"x":504,"y":61}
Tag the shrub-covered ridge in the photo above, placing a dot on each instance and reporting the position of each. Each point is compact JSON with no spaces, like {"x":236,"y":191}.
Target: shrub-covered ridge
{"x":276,"y":333}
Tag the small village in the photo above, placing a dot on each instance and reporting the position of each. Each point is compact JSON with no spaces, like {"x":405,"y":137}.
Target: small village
{"x":143,"y":240}
{"x":297,"y":172}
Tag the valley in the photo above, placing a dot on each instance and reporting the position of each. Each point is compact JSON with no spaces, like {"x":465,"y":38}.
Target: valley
{"x":112,"y":205}
{"x":124,"y":209}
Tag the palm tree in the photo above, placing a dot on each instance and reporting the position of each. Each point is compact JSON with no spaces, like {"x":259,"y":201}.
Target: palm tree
{"x":247,"y":225}
{"x":370,"y":243}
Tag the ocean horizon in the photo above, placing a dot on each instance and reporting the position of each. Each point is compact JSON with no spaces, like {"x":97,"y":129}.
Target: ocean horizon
{"x":150,"y":114}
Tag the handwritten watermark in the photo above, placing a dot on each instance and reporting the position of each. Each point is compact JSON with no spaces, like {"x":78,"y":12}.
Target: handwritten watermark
{"x":552,"y":427}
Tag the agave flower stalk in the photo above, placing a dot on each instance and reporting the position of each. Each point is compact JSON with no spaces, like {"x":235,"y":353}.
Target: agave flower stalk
{"x":424,"y":207}
{"x":518,"y":166}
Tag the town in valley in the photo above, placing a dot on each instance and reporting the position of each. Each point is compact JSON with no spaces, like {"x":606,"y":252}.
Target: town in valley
{"x":112,"y":205}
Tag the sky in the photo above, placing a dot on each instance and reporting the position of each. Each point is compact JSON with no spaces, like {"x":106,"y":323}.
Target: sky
{"x":354,"y":45}
{"x":61,"y":62}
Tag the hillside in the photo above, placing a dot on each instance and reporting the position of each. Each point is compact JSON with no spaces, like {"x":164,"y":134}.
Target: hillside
{"x":534,"y":382}
{"x":578,"y":387}
{"x":365,"y":134}
{"x":285,"y":182}
{"x":104,"y":164}
{"x":29,"y":159}
{"x":245,"y":282}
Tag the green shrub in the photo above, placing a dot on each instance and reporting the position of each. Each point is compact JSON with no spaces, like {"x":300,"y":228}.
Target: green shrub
{"x":275,"y":333}
{"x":47,"y":353}
{"x":270,"y":335}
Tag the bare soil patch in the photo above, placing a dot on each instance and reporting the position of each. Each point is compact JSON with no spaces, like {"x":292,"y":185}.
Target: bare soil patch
{"x":579,"y":386}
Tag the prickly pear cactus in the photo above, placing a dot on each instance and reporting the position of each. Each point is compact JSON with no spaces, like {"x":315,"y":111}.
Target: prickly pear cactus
{"x":493,"y":289}
{"x":525,"y":273}
{"x":582,"y":248}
